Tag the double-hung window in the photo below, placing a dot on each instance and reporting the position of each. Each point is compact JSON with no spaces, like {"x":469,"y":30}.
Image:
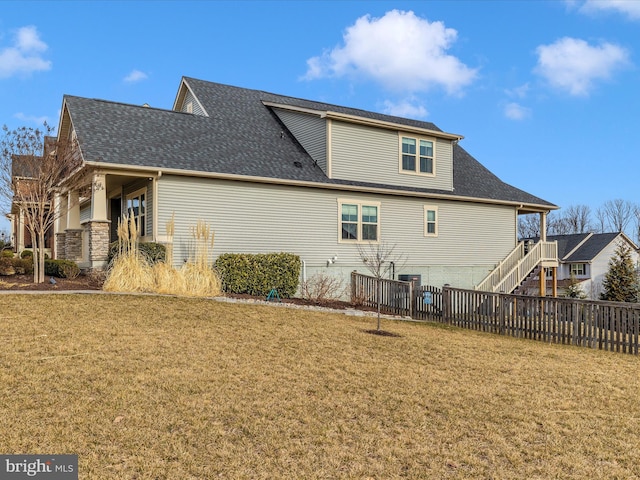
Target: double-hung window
{"x":417,"y":155}
{"x":137,"y":209}
{"x":578,"y":269}
{"x":430,"y":221}
{"x":359,"y":222}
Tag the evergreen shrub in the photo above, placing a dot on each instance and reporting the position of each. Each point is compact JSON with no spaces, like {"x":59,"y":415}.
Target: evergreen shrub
{"x":258,"y":274}
{"x":61,"y":268}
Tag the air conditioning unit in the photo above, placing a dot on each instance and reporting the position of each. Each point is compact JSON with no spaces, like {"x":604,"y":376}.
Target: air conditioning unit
{"x":415,"y":279}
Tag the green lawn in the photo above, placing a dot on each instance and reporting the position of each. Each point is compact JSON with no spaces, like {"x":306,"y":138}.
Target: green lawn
{"x":159,"y":387}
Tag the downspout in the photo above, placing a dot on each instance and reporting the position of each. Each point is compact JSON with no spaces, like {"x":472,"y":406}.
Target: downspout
{"x":155,"y":205}
{"x":304,"y":272}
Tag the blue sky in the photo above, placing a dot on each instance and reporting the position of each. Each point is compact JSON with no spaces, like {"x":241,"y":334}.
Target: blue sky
{"x":546,"y":93}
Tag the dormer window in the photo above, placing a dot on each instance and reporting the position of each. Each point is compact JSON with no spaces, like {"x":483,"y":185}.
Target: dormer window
{"x":417,"y":155}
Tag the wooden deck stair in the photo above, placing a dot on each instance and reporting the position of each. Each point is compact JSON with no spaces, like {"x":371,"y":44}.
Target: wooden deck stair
{"x":518,"y":265}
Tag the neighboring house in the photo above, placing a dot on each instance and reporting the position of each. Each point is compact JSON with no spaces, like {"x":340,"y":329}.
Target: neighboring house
{"x":273,"y":173}
{"x":586,"y":256}
{"x":22,"y":174}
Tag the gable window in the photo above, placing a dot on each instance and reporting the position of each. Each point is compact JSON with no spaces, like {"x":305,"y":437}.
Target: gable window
{"x":578,"y":269}
{"x":416,"y":155}
{"x":358,"y":221}
{"x":137,"y":209}
{"x":430,"y":221}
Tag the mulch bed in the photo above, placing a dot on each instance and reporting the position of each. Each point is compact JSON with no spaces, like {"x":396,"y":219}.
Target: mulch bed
{"x":88,"y":282}
{"x":25,"y":282}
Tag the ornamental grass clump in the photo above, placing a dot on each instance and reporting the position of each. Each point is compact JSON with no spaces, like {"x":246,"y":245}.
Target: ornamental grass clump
{"x":132,"y":271}
{"x":129,"y":271}
{"x":199,"y":276}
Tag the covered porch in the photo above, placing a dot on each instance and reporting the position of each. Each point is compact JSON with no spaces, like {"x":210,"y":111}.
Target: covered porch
{"x":88,"y":216}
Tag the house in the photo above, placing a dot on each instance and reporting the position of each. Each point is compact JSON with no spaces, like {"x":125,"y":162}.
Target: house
{"x":585,"y":257}
{"x":22,"y":175}
{"x":270,"y":173}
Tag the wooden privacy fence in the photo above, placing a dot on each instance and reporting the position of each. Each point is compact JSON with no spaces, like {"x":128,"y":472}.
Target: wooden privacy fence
{"x":612,"y":326}
{"x":395,"y":296}
{"x":609,"y":326}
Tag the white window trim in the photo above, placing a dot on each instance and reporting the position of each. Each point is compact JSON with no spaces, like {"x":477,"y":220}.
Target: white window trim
{"x":424,"y":216}
{"x":360,"y":204}
{"x":417,"y":170}
{"x":137,"y":193}
{"x":572,"y":265}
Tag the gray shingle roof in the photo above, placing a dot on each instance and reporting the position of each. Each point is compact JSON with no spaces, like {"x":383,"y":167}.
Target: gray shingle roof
{"x":592,"y":247}
{"x":242,"y":136}
{"x":593,"y":244}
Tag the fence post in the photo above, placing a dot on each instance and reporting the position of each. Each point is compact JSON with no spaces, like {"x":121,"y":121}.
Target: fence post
{"x":353,"y":286}
{"x":446,"y":304}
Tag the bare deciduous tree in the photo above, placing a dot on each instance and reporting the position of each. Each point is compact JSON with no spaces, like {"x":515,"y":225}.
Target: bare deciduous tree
{"x":32,"y":165}
{"x":577,"y":218}
{"x":618,"y":213}
{"x":379,"y":259}
{"x":528,"y":226}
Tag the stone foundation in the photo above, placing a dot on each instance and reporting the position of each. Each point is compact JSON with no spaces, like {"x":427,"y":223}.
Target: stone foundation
{"x":98,"y":242}
{"x":60,"y":245}
{"x":73,"y":245}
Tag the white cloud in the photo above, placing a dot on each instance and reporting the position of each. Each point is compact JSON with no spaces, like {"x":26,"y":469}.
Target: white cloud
{"x":519,"y":92}
{"x":24,"y":56}
{"x":573,"y":65}
{"x":32,"y":118}
{"x":408,"y":108}
{"x":630,"y":8}
{"x":515,"y":111}
{"x":400,"y":50}
{"x":135,"y":76}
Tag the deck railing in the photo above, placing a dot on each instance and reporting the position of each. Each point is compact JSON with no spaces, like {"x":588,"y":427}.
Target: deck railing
{"x":510,"y":272}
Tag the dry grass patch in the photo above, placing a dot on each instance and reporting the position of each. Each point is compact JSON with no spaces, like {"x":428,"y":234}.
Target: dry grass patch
{"x":178,"y":388}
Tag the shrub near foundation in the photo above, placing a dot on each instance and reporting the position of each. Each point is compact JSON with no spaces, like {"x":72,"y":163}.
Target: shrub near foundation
{"x":257,"y":274}
{"x":61,"y":268}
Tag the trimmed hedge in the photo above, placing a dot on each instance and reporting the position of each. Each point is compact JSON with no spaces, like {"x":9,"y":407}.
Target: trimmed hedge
{"x":29,"y":254}
{"x":257,"y":274}
{"x":153,"y":252}
{"x":61,"y":268}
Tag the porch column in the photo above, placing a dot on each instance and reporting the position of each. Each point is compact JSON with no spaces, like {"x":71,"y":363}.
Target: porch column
{"x":99,"y":198}
{"x":543,"y":282}
{"x":73,"y":232}
{"x":98,"y":225}
{"x":543,"y":226}
{"x":61,"y":226}
{"x":20,"y":232}
{"x":73,"y":211}
{"x":554,"y":274}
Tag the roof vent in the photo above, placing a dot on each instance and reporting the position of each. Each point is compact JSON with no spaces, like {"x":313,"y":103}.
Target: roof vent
{"x":146,"y":105}
{"x":297,"y":164}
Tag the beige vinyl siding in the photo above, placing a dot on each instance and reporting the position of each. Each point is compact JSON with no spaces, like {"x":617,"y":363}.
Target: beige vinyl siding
{"x":85,"y":212}
{"x":261,"y":218}
{"x":195,"y":105}
{"x":310,"y":131}
{"x":368,"y":154}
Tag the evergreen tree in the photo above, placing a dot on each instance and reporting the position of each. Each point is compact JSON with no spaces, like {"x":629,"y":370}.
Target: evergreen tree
{"x":621,"y":281}
{"x":574,"y":290}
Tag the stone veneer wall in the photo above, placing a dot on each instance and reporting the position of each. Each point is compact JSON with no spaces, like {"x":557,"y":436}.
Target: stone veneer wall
{"x":98,"y":242}
{"x":73,"y":245}
{"x":61,"y":245}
